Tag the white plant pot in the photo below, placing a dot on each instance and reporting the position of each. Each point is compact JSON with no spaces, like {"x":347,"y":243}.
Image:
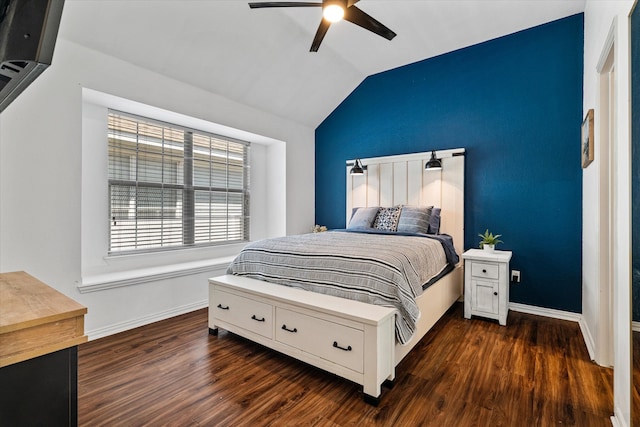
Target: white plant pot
{"x":488,"y":248}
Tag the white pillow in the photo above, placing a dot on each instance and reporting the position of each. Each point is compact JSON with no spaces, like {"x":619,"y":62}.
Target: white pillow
{"x":363,"y":217}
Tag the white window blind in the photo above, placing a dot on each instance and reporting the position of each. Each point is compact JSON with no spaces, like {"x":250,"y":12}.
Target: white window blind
{"x":172,"y":187}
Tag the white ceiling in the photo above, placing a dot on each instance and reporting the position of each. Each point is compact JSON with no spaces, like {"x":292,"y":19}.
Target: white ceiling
{"x":261,"y":57}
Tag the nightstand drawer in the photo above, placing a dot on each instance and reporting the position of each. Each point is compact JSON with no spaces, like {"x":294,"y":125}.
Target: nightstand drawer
{"x":486,"y":271}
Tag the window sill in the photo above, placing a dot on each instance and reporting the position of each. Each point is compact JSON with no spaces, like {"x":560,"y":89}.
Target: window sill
{"x":134,"y":277}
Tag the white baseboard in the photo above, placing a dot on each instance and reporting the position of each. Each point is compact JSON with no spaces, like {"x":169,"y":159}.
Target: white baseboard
{"x":588,"y":338}
{"x":145,"y":320}
{"x":546,"y":312}
{"x":618,"y":421}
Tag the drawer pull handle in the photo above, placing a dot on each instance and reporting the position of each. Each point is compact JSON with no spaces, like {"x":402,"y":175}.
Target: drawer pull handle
{"x":335,"y":344}
{"x":294,"y":330}
{"x":495,"y":293}
{"x":484,"y":271}
{"x":223,"y":307}
{"x":256,"y":319}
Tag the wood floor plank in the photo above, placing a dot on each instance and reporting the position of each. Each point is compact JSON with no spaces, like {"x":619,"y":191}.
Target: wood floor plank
{"x":535,"y":371}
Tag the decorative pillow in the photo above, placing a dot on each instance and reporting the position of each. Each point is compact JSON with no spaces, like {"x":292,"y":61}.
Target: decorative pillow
{"x":414,"y":219}
{"x":434,"y":221}
{"x":387,"y":218}
{"x":363,"y":217}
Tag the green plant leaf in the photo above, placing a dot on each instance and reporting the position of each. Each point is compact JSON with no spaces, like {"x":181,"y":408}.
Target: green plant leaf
{"x":489,"y":239}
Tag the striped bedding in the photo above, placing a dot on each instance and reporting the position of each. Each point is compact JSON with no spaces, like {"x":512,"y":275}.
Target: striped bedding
{"x":383,"y":269}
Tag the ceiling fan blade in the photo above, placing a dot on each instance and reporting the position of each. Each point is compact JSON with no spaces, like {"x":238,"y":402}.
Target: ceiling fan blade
{"x":283,"y":4}
{"x":322,"y":30}
{"x":358,"y":17}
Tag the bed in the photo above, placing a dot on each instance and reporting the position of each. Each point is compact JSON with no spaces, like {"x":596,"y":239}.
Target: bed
{"x":364,"y":337}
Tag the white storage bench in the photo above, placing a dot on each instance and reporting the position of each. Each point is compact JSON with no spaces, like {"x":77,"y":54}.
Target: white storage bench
{"x":348,"y":338}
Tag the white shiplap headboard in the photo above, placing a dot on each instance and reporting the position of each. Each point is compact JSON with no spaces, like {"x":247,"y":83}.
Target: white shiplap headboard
{"x":403,"y":180}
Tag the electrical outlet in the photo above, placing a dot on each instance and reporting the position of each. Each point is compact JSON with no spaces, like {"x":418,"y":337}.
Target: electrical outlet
{"x":515,"y":276}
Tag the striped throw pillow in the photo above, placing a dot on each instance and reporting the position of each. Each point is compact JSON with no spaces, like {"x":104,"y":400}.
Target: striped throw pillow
{"x":414,"y":219}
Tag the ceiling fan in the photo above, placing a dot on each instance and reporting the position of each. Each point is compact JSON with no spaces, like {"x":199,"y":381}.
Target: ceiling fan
{"x":334,"y":11}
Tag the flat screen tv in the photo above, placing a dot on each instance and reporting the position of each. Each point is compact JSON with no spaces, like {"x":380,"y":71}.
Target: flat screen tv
{"x":28,"y":32}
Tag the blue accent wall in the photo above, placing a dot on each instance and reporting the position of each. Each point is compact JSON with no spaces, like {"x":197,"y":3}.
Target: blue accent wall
{"x":515,"y":104}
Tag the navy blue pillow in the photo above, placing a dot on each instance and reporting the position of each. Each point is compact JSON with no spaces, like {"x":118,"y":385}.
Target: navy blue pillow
{"x":434,"y":221}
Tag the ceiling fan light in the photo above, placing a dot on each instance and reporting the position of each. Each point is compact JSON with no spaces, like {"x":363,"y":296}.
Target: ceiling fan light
{"x":333,"y":12}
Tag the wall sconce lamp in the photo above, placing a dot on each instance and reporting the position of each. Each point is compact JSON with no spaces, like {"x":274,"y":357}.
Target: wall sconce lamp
{"x":357,"y":168}
{"x":433,"y":164}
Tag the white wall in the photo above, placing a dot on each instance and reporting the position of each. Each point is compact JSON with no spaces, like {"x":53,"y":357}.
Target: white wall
{"x":599,"y":17}
{"x":41,"y":187}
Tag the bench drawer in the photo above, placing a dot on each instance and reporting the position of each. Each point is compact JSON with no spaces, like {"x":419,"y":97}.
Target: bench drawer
{"x":337,"y":343}
{"x":244,"y":312}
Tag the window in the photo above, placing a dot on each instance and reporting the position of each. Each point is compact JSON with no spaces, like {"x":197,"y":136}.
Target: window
{"x":172,"y":187}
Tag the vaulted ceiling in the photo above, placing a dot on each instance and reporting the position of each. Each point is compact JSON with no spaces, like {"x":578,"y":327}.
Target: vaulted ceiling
{"x":261,"y":57}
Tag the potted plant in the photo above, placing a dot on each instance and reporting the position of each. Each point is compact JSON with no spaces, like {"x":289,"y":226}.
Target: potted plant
{"x":489,"y":241}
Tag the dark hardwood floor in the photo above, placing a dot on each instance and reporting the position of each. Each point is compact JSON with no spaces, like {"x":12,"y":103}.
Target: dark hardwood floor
{"x":534,"y":372}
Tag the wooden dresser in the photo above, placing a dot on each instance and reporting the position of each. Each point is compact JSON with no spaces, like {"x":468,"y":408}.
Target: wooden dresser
{"x":40,"y":329}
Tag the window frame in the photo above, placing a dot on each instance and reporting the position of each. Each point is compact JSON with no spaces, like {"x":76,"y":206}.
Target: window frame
{"x":187,"y":188}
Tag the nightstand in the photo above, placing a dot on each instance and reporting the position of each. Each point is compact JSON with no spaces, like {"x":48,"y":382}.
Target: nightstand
{"x":486,"y":284}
